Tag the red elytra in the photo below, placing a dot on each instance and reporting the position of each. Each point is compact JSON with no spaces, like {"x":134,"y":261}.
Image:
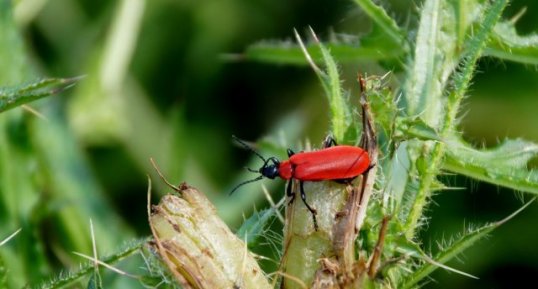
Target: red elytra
{"x":333,"y":163}
{"x":338,"y":162}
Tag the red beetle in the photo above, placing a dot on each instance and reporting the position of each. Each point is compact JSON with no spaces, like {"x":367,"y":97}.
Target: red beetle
{"x":333,"y":162}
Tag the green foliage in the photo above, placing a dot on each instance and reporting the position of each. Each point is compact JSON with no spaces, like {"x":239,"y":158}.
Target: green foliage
{"x":384,"y":42}
{"x":455,"y":247}
{"x":505,"y":43}
{"x":50,"y":189}
{"x":389,"y":27}
{"x":255,"y":227}
{"x":68,"y":278}
{"x":11,"y":97}
{"x":95,"y":281}
{"x":420,"y":133}
{"x":39,"y":156}
{"x":426,"y":90}
{"x":341,"y":122}
{"x":505,"y":165}
{"x":278,"y":52}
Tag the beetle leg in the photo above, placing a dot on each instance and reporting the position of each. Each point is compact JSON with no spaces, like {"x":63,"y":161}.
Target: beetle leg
{"x":289,"y":191}
{"x":312,"y":210}
{"x":329,"y":142}
{"x":290,"y":152}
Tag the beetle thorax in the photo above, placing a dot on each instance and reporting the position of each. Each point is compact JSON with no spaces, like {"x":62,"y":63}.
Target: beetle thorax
{"x":285,"y":170}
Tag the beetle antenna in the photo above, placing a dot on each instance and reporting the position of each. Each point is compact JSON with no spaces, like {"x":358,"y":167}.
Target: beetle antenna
{"x":252,"y":170}
{"x":242,"y":143}
{"x":244,"y":183}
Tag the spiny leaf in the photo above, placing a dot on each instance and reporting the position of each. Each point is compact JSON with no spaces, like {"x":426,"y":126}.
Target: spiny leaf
{"x":382,"y":103}
{"x":157,"y":275}
{"x":505,"y":165}
{"x":11,"y":97}
{"x":383,"y":20}
{"x":457,"y":247}
{"x":434,"y":60}
{"x":473,"y":51}
{"x":289,"y":53}
{"x":399,"y":181}
{"x":95,"y":281}
{"x":254,"y":226}
{"x":506,"y":44}
{"x":89,"y":267}
{"x":415,"y":127}
{"x":476,"y":44}
{"x":436,"y":57}
{"x":412,"y":249}
{"x":385,"y":43}
{"x":330,"y":79}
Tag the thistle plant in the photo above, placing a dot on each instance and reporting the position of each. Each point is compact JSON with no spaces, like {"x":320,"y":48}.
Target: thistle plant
{"x":419,"y":139}
{"x":407,"y":117}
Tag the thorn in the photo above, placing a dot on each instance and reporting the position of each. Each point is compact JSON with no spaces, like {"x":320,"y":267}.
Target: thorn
{"x":316,"y":69}
{"x":518,"y":16}
{"x":10,"y":237}
{"x":272,"y":203}
{"x":110,"y":267}
{"x":94,"y":245}
{"x":34,"y":112}
{"x":316,"y":39}
{"x":440,"y":265}
{"x":175,"y":188}
{"x":514,"y":213}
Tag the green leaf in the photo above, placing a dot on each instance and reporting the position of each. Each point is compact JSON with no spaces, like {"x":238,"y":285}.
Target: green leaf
{"x":66,"y":279}
{"x":411,"y":249}
{"x":476,"y":44}
{"x":456,"y":247}
{"x":401,"y":187}
{"x":341,"y":118}
{"x":436,"y":57}
{"x":473,"y":51}
{"x":505,"y":165}
{"x":290,"y":53}
{"x":253,"y":228}
{"x":385,"y":42}
{"x":415,"y":127}
{"x":422,"y":91}
{"x":383,"y":20}
{"x":11,"y":97}
{"x":434,"y":60}
{"x":95,"y":281}
{"x":382,"y":103}
{"x":506,"y":44}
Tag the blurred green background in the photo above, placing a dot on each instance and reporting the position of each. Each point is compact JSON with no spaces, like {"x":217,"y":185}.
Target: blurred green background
{"x":165,"y":79}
